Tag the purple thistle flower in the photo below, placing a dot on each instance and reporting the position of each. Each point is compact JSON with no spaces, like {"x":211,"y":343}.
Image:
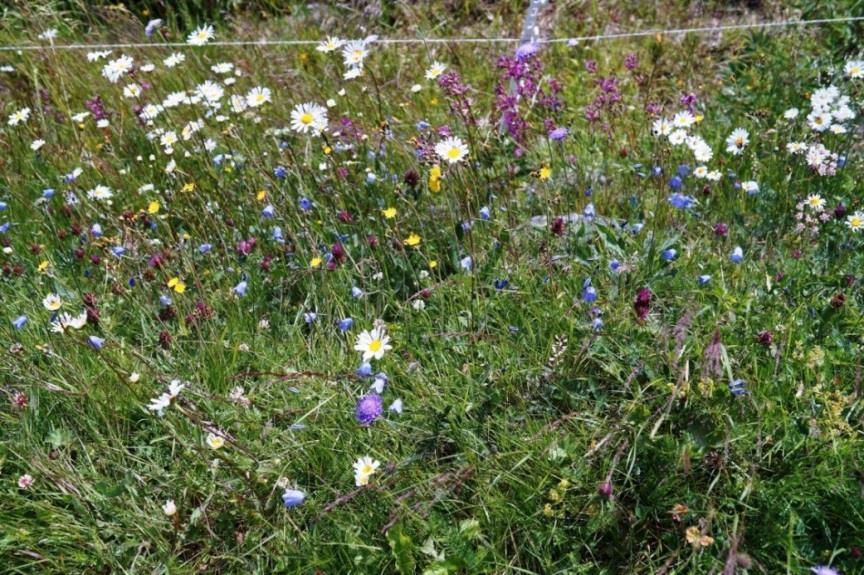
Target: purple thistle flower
{"x":369,"y":408}
{"x":558,"y":134}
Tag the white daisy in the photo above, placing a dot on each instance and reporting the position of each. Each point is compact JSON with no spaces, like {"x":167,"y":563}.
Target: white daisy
{"x":352,"y":73}
{"x":683,"y":120}
{"x":258,"y":96}
{"x":737,"y":141}
{"x":331,"y":44}
{"x":451,"y":150}
{"x":854,"y":69}
{"x":373,"y":344}
{"x":435,"y":70}
{"x":222,"y":68}
{"x":116,"y":69}
{"x":19,"y":117}
{"x":238,"y":104}
{"x":819,"y":120}
{"x":174,"y":59}
{"x":131,"y":91}
{"x":661,"y":127}
{"x":96,"y":56}
{"x":66,"y":321}
{"x":201,"y":36}
{"x":308,"y":117}
{"x":100,"y":192}
{"x":210,"y":91}
{"x":354,"y":53}
{"x":52,"y":302}
{"x":364,"y":468}
{"x":855,"y":222}
{"x":815,"y":202}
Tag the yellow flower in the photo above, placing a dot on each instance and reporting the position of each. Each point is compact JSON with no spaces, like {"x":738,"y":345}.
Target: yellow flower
{"x":261,"y":195}
{"x":44,"y":265}
{"x":435,"y":179}
{"x":413,"y":240}
{"x":389,"y":213}
{"x":190,"y":187}
{"x":545,"y":173}
{"x":177,"y":285}
{"x":328,"y":150}
{"x":699,"y":118}
{"x":153,"y":208}
{"x":315,"y":262}
{"x":433,"y":264}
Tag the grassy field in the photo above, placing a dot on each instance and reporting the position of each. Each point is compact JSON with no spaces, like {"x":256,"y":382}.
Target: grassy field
{"x":439,"y":309}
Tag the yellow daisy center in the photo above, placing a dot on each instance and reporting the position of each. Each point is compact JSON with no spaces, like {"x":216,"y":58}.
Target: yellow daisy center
{"x":306,"y":118}
{"x":366,"y":469}
{"x":453,"y":153}
{"x":375,"y":345}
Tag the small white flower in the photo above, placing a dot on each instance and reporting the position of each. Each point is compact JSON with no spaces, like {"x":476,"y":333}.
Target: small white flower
{"x":661,"y":127}
{"x":258,"y":96}
{"x":737,"y":141}
{"x":451,"y":150}
{"x":815,"y":202}
{"x":37,"y":144}
{"x":52,"y":302}
{"x":373,"y":344}
{"x":19,"y":117}
{"x":819,"y":120}
{"x":854,"y":69}
{"x":354,"y":53}
{"x":353,"y":72}
{"x":201,"y":36}
{"x":222,"y":68}
{"x":215,"y":441}
{"x":308,"y":117}
{"x":100,"y":192}
{"x":435,"y":70}
{"x":683,"y":120}
{"x":364,"y":468}
{"x":174,"y":59}
{"x":169,"y":508}
{"x":331,"y":44}
{"x":116,"y":69}
{"x":96,"y":56}
{"x":131,"y":91}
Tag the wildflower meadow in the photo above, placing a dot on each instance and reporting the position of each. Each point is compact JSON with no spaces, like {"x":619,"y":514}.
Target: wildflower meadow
{"x":411,"y":293}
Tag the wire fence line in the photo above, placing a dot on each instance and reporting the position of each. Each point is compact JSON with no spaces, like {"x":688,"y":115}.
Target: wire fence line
{"x":266,"y":42}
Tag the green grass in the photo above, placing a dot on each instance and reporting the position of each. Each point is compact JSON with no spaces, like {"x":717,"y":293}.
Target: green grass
{"x":518,"y":414}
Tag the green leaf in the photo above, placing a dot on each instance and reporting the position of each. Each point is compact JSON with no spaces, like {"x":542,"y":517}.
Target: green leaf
{"x":402,"y":549}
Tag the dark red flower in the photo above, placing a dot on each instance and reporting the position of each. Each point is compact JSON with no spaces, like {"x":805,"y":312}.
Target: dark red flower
{"x":642,"y":305}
